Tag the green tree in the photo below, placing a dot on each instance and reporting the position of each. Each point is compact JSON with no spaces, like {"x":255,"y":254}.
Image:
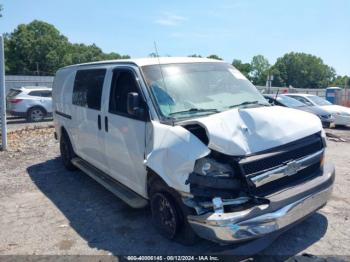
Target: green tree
{"x":302,"y":70}
{"x":214,"y":57}
{"x":245,"y":68}
{"x":341,"y":81}
{"x":39,"y":48}
{"x":259,"y":69}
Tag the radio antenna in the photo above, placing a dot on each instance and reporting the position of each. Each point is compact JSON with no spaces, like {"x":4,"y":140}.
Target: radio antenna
{"x":160,"y":67}
{"x":161,"y":70}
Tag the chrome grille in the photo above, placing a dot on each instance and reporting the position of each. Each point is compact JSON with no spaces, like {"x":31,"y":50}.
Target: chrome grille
{"x":275,"y":169}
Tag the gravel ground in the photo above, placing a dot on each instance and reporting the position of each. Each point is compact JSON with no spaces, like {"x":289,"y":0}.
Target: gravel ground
{"x":47,"y":210}
{"x":16,"y":123}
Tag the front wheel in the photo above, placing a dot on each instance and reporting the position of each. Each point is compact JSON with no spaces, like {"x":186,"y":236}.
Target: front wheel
{"x":164,"y":215}
{"x":169,"y":214}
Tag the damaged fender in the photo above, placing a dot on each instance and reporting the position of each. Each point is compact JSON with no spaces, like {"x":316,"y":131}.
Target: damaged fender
{"x":173,"y":151}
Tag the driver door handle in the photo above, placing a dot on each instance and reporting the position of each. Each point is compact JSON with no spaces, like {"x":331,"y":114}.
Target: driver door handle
{"x":99,"y":122}
{"x":106,"y":124}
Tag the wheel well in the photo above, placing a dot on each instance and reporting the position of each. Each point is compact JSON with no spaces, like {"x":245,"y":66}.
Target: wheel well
{"x":37,"y":106}
{"x":185,"y":210}
{"x":65,"y":133}
{"x":151,"y":177}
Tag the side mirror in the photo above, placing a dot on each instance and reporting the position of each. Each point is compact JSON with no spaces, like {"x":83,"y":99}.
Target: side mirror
{"x":133,"y":105}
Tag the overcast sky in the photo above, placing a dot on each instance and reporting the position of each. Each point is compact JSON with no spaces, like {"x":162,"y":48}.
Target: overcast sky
{"x":232,"y":29}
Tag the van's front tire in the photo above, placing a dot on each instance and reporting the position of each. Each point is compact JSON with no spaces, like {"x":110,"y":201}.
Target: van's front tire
{"x":169,"y":214}
{"x":67,"y":153}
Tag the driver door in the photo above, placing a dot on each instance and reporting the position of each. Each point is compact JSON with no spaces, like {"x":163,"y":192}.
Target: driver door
{"x":125,"y":134}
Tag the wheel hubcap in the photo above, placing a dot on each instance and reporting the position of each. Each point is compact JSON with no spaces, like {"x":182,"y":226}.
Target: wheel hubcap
{"x":166,"y":216}
{"x":37,"y":115}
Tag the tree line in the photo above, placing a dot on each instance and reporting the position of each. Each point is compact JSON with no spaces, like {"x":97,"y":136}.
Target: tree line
{"x":38,"y":48}
{"x":298,"y":70}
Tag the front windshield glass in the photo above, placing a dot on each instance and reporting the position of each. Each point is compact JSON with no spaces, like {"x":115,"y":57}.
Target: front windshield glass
{"x":192,"y":89}
{"x":289,"y":102}
{"x":319,"y":101}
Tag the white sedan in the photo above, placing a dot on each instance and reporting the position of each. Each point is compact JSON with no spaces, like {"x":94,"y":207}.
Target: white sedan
{"x":341,"y":113}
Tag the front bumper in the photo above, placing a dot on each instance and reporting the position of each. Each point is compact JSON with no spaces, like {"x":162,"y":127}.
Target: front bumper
{"x":285,"y":208}
{"x":342,"y":120}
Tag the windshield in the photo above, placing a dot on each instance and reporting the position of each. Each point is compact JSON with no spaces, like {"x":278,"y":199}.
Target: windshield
{"x":192,"y":89}
{"x":289,"y":102}
{"x":319,"y":101}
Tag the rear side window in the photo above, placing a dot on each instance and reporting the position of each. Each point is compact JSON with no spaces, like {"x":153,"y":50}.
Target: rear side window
{"x":35,"y":93}
{"x":13,"y":92}
{"x":46,"y":94}
{"x":42,"y":93}
{"x":87,"y":89}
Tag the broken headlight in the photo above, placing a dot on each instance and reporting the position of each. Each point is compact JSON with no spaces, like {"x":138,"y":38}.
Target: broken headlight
{"x":210,"y":167}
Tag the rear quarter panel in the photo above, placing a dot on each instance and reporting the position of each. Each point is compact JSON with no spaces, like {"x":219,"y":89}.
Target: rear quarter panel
{"x":62,"y":100}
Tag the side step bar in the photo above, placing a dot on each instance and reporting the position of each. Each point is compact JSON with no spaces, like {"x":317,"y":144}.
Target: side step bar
{"x":128,"y":196}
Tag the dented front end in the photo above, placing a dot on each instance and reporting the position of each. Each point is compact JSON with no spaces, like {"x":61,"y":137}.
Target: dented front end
{"x":261,"y":193}
{"x":244,"y":173}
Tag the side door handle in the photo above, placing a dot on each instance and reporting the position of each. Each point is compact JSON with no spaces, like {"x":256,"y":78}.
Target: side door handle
{"x":106,"y":124}
{"x":99,"y":122}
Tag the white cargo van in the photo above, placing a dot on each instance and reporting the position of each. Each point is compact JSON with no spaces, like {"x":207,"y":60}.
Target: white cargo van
{"x":194,"y":139}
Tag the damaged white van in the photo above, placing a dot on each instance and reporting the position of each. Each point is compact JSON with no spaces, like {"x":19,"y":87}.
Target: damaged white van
{"x":195,"y":140}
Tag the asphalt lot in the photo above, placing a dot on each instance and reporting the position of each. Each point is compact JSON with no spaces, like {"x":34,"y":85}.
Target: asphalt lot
{"x":46,"y":210}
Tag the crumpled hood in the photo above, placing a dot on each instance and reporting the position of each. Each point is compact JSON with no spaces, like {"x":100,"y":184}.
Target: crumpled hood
{"x":245,"y":131}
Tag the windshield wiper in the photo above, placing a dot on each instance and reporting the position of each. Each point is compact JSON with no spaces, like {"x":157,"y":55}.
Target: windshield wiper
{"x":194,"y":110}
{"x":249,"y":103}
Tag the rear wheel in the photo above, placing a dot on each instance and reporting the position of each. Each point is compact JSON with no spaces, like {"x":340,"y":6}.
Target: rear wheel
{"x":67,"y":153}
{"x":36,"y":114}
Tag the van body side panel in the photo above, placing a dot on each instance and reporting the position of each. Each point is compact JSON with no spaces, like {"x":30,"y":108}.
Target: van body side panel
{"x":62,"y":103}
{"x":174,"y":151}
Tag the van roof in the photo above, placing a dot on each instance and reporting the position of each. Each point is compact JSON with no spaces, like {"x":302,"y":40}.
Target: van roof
{"x":153,"y":61}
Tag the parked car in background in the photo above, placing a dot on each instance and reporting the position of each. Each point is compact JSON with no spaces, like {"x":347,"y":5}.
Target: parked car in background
{"x":282,"y":100}
{"x":32,"y":103}
{"x":341,"y":114}
{"x":194,"y":139}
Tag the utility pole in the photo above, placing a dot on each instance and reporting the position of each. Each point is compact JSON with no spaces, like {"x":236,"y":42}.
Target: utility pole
{"x":37,"y":68}
{"x":269,"y":83}
{"x":3,"y":96}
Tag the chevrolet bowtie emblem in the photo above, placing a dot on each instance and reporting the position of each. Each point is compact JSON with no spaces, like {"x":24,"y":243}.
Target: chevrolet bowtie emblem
{"x":292,"y":168}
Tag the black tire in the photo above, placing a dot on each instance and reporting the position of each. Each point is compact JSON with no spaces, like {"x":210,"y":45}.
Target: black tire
{"x":36,"y":114}
{"x":67,"y":153}
{"x":169,"y":214}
